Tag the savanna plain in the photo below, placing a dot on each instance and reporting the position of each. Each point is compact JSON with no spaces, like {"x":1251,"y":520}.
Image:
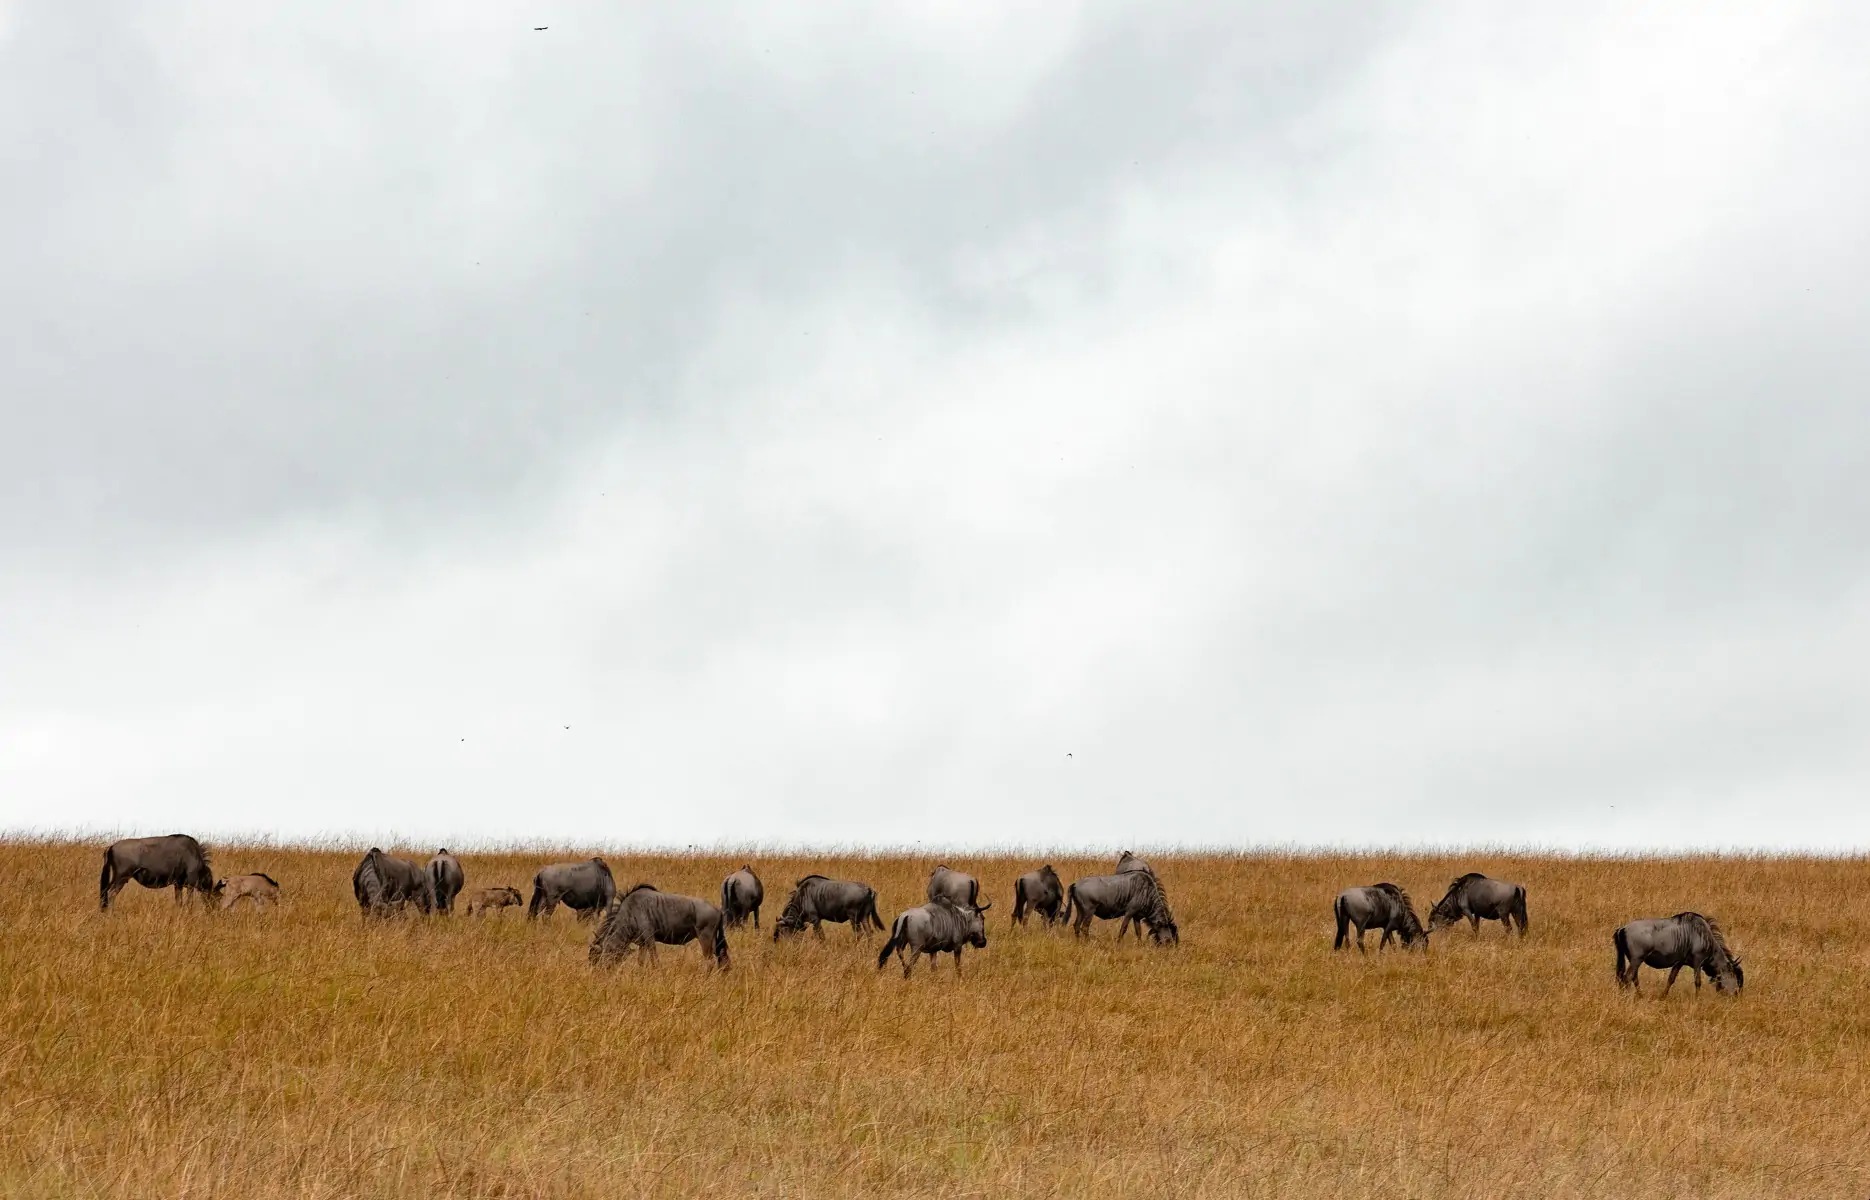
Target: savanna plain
{"x":176,"y":1051}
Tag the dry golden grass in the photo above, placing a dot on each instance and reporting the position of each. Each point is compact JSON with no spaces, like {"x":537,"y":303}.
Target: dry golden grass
{"x":156,"y":1051}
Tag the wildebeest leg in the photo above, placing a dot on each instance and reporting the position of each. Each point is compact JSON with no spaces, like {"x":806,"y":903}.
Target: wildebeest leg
{"x":1673,"y":972}
{"x":1636,"y":964}
{"x":818,"y":927}
{"x":1696,"y":971}
{"x":1361,"y":948}
{"x":957,"y":962}
{"x":1473,"y":919}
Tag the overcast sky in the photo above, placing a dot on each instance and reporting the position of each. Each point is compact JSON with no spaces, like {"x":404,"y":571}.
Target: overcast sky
{"x":1023,"y":424}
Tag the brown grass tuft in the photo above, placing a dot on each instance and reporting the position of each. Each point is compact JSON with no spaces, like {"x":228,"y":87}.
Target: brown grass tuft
{"x":156,"y":1051}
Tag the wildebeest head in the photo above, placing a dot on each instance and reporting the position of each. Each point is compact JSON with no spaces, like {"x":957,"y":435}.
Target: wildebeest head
{"x":975,"y":925}
{"x":1165,"y":934}
{"x":220,"y":885}
{"x":1729,"y":968}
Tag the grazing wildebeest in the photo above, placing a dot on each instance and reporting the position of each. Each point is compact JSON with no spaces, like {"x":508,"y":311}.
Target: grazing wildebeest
{"x":494,"y":899}
{"x":446,"y":878}
{"x":946,"y":883}
{"x":261,"y":889}
{"x":173,"y":860}
{"x":741,"y":897}
{"x":1039,"y":891}
{"x":1136,"y":896}
{"x":1475,"y":897}
{"x":643,"y":916}
{"x":938,"y":927}
{"x":815,"y":900}
{"x":584,"y":886}
{"x":384,"y":885}
{"x":1686,"y":939}
{"x":1383,"y":906}
{"x":1127,"y":862}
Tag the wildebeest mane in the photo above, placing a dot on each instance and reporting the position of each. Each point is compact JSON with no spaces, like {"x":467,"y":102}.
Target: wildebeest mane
{"x":1714,"y":930}
{"x":265,"y":876}
{"x":1410,"y":922}
{"x":1449,"y":904}
{"x":641,"y":887}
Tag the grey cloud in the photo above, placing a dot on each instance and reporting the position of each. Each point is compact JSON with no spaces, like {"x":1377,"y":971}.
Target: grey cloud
{"x":1441,"y":428}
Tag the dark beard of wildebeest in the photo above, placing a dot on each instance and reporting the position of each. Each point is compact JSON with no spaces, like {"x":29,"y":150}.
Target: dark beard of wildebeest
{"x":1479,"y":898}
{"x":1039,"y":891}
{"x":173,"y":860}
{"x":741,"y":897}
{"x":1686,"y":939}
{"x":446,"y":879}
{"x":586,"y":887}
{"x":816,"y":899}
{"x":1381,"y":906}
{"x":938,"y":927}
{"x":957,"y":888}
{"x":385,"y":885}
{"x":643,"y":916}
{"x":1135,"y":896}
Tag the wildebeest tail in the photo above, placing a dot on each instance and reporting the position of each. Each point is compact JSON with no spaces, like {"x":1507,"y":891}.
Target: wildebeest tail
{"x":727,"y":900}
{"x":103,"y":880}
{"x":1519,"y":909}
{"x":370,"y":883}
{"x":870,"y":911}
{"x":720,"y":941}
{"x":1071,"y":898}
{"x":1344,"y":923}
{"x":897,"y":938}
{"x":1623,"y":955}
{"x":1019,"y":904}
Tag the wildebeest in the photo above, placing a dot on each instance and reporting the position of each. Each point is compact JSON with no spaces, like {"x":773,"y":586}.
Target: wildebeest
{"x":173,"y":860}
{"x":445,"y":879}
{"x":583,"y":886}
{"x":1127,"y":862}
{"x":1381,"y":906}
{"x":494,"y":899}
{"x":1135,"y":896}
{"x":643,"y":916}
{"x":261,"y":889}
{"x":741,"y":897}
{"x":938,"y":927}
{"x":1686,"y":939}
{"x":956,"y":887}
{"x":816,"y":899}
{"x":384,"y":885}
{"x":1475,"y":897}
{"x":1039,"y":891}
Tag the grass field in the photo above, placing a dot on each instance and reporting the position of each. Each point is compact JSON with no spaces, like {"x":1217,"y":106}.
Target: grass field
{"x":157,"y":1051}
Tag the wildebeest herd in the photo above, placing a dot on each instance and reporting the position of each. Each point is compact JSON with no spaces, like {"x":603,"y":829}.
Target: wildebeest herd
{"x":953,"y":919}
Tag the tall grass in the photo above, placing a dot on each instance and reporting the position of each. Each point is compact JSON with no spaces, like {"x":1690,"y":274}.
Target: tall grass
{"x":153,"y":1050}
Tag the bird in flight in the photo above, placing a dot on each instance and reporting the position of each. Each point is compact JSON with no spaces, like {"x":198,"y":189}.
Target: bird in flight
{"x":540,"y":28}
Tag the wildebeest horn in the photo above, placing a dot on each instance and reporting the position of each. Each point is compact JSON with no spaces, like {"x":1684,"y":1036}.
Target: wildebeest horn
{"x":985,"y":907}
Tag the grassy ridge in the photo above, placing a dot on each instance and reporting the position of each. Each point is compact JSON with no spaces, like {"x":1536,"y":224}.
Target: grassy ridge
{"x":300,"y":1053}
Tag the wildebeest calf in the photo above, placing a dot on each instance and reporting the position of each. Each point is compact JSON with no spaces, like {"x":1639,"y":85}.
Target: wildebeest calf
{"x":261,"y":889}
{"x":938,"y":927}
{"x":493,"y":899}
